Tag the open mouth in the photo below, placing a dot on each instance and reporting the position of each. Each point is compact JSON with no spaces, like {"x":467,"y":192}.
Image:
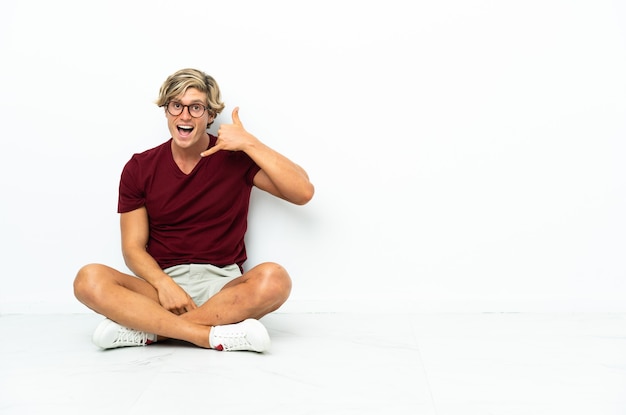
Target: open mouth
{"x":184,"y":130}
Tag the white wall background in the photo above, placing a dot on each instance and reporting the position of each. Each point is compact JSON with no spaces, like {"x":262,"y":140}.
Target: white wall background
{"x":467,"y":155}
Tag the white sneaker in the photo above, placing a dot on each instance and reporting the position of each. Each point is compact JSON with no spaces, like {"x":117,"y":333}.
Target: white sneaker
{"x":109,"y":335}
{"x":249,"y":335}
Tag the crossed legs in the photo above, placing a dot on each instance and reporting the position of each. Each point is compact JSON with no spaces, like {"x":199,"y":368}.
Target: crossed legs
{"x":133,"y":302}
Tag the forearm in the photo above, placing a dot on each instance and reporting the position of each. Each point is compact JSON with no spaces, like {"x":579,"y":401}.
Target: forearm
{"x":144,"y":266}
{"x":289,"y":179}
{"x":278,"y":176}
{"x":171,"y":296}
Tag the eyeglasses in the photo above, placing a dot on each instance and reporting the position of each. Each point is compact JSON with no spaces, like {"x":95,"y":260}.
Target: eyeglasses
{"x":176,"y":108}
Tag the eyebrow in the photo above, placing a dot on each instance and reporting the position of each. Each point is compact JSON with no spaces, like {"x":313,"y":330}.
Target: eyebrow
{"x":196,"y":101}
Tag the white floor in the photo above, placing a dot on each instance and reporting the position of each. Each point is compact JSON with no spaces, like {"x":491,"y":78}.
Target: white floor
{"x":424,"y":364}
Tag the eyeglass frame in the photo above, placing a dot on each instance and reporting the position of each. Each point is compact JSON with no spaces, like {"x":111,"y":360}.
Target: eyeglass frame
{"x":205,"y":109}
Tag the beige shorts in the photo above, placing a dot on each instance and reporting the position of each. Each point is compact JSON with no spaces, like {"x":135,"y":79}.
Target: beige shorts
{"x":202,"y":281}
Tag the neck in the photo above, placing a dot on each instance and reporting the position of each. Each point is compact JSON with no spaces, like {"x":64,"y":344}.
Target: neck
{"x":187,"y":157}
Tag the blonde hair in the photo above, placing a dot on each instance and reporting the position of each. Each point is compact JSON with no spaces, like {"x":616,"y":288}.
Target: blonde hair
{"x":180,"y":81}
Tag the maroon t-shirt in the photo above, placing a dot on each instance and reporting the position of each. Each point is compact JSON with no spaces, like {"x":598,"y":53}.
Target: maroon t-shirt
{"x":197,"y":218}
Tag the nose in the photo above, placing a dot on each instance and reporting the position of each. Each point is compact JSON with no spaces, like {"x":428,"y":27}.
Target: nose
{"x":185,"y":114}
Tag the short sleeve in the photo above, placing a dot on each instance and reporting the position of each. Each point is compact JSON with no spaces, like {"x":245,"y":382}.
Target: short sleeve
{"x":131,"y":192}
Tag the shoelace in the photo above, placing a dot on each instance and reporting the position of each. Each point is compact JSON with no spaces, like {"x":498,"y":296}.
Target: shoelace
{"x":233,"y":341}
{"x":130,"y":336}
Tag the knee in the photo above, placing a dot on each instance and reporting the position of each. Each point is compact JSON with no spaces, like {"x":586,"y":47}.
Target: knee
{"x":86,"y":282}
{"x":275,"y":279}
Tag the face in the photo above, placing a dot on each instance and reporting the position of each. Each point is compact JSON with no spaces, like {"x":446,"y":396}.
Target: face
{"x":188,"y":131}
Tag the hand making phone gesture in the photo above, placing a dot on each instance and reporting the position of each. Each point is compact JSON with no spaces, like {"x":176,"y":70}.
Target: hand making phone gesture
{"x":231,"y":137}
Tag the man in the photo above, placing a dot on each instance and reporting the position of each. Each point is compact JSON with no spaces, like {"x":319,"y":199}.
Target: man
{"x":183,"y":212}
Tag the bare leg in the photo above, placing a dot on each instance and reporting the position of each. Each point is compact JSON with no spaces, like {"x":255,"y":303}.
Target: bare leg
{"x":259,"y":291}
{"x":133,"y":303}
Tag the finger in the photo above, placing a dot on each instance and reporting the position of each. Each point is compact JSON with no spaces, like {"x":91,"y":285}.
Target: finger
{"x":236,"y":119}
{"x":210,"y":151}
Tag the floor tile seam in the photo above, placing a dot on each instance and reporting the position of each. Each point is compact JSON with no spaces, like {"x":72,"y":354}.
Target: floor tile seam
{"x":424,"y":369}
